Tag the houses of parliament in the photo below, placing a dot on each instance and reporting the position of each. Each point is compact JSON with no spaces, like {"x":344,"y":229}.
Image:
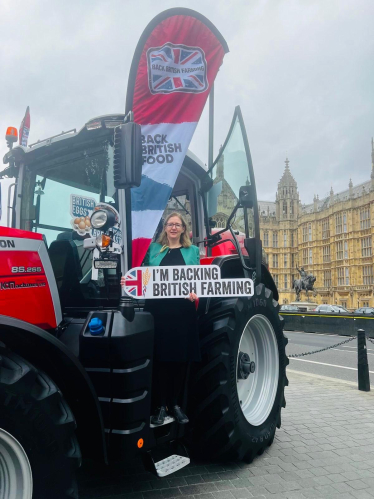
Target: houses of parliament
{"x":331,"y":238}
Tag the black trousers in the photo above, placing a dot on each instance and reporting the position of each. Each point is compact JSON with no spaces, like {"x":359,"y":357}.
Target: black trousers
{"x":168,"y":382}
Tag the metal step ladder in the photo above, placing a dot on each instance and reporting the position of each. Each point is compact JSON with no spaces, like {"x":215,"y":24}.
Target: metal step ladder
{"x":171,"y":458}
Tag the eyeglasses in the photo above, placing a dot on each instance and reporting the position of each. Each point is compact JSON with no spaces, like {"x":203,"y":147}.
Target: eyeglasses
{"x":177,"y":226}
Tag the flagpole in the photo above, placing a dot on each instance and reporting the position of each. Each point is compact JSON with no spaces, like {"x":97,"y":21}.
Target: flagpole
{"x":211,"y":126}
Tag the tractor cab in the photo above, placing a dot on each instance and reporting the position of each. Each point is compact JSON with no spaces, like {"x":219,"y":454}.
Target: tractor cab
{"x":63,"y":180}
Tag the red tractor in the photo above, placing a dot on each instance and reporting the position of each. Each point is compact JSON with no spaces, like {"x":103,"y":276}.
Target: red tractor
{"x":67,"y":389}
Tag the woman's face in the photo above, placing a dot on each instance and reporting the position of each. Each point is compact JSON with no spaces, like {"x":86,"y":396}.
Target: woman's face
{"x":174,"y":229}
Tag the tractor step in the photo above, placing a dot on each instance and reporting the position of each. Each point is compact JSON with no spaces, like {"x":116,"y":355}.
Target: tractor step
{"x":171,"y":464}
{"x":166,"y":458}
{"x":168,"y":420}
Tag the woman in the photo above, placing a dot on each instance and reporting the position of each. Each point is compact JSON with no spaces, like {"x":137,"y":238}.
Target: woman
{"x":176,"y":334}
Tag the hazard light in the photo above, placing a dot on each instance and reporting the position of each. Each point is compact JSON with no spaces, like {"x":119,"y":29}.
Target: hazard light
{"x":11,"y":136}
{"x":103,"y":241}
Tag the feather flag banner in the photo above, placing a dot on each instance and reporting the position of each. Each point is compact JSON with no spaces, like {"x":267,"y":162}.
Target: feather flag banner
{"x":174,"y":66}
{"x":24,"y":129}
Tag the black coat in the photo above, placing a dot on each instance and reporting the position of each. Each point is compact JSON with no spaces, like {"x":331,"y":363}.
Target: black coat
{"x":176,"y":332}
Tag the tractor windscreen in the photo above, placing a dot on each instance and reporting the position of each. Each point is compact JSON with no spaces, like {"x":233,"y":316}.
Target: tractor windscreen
{"x":231,"y":170}
{"x":60,"y":191}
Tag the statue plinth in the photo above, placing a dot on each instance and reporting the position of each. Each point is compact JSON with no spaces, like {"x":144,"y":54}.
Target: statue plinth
{"x":305,"y":306}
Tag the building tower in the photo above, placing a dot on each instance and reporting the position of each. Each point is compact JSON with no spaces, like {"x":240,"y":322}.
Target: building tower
{"x":221,"y":167}
{"x":372,"y":164}
{"x":287,"y":197}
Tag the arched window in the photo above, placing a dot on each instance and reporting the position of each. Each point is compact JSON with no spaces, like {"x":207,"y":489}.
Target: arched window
{"x":284,"y":207}
{"x":266,"y":239}
{"x":291,"y":208}
{"x":221,"y":223}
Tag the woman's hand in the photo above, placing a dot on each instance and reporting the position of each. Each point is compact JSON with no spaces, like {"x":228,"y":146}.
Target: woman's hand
{"x":192,"y":297}
{"x":122,"y":280}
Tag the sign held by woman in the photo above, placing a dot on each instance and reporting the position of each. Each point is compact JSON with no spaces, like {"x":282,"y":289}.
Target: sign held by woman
{"x":179,"y":281}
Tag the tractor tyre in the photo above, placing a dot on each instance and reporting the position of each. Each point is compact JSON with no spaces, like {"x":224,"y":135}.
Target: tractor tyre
{"x":39,"y":452}
{"x":237,"y":391}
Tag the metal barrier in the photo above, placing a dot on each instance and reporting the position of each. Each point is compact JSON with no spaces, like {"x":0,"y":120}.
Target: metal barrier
{"x":362,"y":358}
{"x":315,"y":322}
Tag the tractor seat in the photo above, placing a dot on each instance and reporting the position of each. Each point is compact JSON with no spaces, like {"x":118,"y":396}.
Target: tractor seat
{"x":67,"y":268}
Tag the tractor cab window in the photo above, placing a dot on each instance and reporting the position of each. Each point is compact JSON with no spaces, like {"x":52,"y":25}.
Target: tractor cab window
{"x":59,"y":194}
{"x":231,"y":170}
{"x":183,"y":200}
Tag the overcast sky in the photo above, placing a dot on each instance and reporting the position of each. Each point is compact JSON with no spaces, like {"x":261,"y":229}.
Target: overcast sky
{"x":301,"y":70}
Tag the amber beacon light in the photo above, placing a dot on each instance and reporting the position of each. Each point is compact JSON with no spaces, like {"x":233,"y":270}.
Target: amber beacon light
{"x":11,"y":136}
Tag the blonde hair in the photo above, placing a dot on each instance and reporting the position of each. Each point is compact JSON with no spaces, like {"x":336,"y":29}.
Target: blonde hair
{"x":184,"y":238}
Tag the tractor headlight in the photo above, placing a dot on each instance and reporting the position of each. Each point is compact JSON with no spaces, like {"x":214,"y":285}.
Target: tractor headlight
{"x":99,"y":219}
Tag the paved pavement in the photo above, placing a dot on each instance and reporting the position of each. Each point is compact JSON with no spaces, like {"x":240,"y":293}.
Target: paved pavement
{"x":339,"y":362}
{"x":325,"y":449}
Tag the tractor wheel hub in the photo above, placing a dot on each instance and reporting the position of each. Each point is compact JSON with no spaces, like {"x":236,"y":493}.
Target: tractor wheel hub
{"x":245,"y":366}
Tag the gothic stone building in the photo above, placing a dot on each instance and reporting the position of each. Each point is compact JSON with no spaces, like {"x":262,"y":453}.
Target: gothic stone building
{"x":331,"y":238}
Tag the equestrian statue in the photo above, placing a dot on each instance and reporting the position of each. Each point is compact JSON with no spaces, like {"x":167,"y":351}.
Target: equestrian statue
{"x":305,"y":283}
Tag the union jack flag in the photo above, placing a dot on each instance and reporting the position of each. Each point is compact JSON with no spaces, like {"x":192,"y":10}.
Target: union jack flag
{"x":134,"y":282}
{"x":176,"y":68}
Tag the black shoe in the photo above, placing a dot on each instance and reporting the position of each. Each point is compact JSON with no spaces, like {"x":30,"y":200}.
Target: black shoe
{"x":180,"y":415}
{"x":159,"y":416}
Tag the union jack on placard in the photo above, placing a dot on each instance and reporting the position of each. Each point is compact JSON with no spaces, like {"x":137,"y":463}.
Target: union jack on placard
{"x":134,"y":283}
{"x":176,"y":68}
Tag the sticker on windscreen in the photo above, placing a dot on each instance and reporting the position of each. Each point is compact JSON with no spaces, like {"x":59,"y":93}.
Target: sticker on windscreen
{"x":81,"y":208}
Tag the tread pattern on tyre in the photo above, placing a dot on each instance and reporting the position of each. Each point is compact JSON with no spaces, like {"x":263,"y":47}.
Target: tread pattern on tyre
{"x":215,"y":407}
{"x":32,"y":395}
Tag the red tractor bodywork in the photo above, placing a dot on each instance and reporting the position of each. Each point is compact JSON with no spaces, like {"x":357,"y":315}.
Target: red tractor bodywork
{"x":28,"y":288}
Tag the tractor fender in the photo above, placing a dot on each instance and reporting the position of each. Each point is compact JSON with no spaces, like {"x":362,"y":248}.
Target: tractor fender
{"x":50,"y":355}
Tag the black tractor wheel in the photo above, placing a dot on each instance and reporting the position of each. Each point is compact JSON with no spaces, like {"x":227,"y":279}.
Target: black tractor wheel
{"x":38,"y":448}
{"x":237,"y":392}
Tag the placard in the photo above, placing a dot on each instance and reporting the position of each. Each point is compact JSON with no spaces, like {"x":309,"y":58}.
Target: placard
{"x":180,"y":281}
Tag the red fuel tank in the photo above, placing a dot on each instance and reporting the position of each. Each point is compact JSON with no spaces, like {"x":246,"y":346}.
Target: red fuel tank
{"x":28,"y":289}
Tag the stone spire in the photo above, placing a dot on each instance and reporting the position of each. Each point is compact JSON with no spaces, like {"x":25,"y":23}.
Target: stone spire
{"x":287,"y":179}
{"x":372,"y":164}
{"x":350,"y":185}
{"x":315,"y":203}
{"x":220,"y":167}
{"x":287,"y":198}
{"x":331,"y":196}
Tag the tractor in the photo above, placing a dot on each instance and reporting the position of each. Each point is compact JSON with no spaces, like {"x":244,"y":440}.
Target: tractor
{"x":76,"y":353}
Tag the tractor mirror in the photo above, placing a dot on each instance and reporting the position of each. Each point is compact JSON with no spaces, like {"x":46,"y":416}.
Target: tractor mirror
{"x":128,"y":158}
{"x":245,"y":198}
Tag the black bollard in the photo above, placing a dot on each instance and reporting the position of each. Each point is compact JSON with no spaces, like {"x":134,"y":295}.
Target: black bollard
{"x":362,"y":362}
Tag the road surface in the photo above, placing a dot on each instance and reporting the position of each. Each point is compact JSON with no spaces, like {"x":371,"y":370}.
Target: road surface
{"x":339,"y":362}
